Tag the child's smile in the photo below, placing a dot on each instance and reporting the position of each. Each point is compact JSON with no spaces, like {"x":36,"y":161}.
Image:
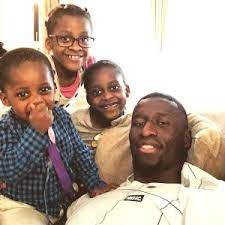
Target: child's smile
{"x":74,"y":56}
{"x":107,"y":94}
{"x":111,"y":110}
{"x":110,"y":106}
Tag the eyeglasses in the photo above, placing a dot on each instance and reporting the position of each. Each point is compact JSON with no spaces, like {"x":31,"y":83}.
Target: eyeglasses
{"x":68,"y":41}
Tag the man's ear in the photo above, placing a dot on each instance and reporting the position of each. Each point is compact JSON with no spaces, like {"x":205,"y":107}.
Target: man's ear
{"x":48,"y":44}
{"x":4,"y":99}
{"x":127,"y":91}
{"x":187,"y":139}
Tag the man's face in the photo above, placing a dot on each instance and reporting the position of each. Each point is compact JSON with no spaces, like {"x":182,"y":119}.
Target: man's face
{"x":71,"y":58}
{"x":158,"y":136}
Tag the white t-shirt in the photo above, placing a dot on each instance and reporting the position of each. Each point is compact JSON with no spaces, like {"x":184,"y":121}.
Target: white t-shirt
{"x":136,"y":203}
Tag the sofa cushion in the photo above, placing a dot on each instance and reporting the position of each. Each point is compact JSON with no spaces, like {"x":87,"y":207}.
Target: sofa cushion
{"x":206,"y":151}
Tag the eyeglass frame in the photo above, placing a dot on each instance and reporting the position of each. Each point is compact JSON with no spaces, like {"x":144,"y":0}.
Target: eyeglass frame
{"x":74,"y":39}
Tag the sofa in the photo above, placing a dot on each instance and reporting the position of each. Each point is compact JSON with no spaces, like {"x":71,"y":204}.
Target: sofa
{"x":208,"y":142}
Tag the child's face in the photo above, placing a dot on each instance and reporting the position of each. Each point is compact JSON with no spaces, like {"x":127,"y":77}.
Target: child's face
{"x":107,"y":93}
{"x":72,"y":58}
{"x":30,"y":84}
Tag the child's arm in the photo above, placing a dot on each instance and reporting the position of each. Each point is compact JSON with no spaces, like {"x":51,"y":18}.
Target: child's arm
{"x":20,"y":151}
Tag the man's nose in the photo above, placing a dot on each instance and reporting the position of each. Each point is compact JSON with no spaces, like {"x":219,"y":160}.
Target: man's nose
{"x":149,"y":129}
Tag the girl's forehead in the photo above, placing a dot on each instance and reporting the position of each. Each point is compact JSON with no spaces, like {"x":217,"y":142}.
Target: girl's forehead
{"x":72,"y":21}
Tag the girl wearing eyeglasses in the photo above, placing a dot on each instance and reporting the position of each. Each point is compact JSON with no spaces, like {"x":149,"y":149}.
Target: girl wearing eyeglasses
{"x":69,"y":30}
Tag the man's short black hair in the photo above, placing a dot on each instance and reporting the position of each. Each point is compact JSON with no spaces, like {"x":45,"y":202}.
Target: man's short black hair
{"x":169,"y":98}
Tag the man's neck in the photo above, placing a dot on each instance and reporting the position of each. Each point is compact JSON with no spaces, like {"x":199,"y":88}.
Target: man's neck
{"x":157,"y":175}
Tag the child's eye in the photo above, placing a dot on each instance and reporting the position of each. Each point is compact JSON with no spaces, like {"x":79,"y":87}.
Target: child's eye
{"x":115,"y":87}
{"x":84,"y":39}
{"x":96,"y":92}
{"x":45,"y":90}
{"x":22,"y":95}
{"x":65,"y":39}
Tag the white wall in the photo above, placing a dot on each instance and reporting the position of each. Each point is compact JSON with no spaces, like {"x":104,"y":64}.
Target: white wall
{"x":191,"y":65}
{"x":16,"y":23}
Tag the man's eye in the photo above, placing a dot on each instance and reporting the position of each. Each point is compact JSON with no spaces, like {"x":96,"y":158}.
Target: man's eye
{"x":138,"y":123}
{"x":22,"y":95}
{"x":96,"y":92}
{"x":45,"y":90}
{"x":162,"y":123}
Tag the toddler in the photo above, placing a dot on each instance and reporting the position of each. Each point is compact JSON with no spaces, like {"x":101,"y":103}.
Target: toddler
{"x":33,"y":187}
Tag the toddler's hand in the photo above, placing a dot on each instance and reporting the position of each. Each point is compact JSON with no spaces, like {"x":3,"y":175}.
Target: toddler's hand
{"x":101,"y":190}
{"x":40,"y":117}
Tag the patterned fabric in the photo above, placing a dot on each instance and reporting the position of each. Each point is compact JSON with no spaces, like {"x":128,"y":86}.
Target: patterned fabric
{"x":3,"y":109}
{"x":78,"y":100}
{"x":24,"y":162}
{"x":152,"y":203}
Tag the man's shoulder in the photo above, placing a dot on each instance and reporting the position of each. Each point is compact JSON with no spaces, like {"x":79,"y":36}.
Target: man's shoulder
{"x":194,"y":177}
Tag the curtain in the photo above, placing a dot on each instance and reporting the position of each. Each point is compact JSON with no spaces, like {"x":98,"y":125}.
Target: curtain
{"x":45,"y":8}
{"x":159,"y":9}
